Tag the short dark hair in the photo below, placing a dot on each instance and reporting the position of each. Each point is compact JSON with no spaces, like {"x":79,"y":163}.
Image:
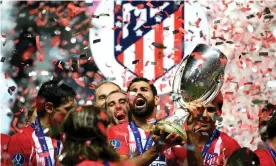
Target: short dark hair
{"x":54,"y":91}
{"x":243,"y":157}
{"x":84,"y":138}
{"x":138,"y":79}
{"x":271,"y":126}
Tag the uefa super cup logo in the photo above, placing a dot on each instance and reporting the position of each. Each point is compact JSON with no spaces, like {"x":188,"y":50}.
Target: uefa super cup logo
{"x":18,"y":159}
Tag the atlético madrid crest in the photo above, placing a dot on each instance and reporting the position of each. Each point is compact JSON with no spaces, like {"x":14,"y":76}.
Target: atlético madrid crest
{"x":145,"y":38}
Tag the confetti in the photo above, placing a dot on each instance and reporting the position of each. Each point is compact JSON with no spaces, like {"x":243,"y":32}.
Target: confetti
{"x":269,"y":17}
{"x":149,"y":5}
{"x":175,"y":31}
{"x":198,"y":22}
{"x":3,"y":59}
{"x":41,"y":55}
{"x":166,"y":28}
{"x":263,"y":53}
{"x":191,"y":31}
{"x":229,"y":42}
{"x":158,"y":45}
{"x":11,"y":89}
{"x":135,"y":61}
{"x":217,"y":22}
{"x":266,"y":11}
{"x":219,"y":43}
{"x":250,"y":16}
{"x":183,"y":30}
{"x":96,"y":41}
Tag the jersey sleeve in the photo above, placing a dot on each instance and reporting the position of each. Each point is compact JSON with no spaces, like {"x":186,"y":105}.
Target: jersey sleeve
{"x":232,"y":145}
{"x":265,"y":157}
{"x":117,"y":138}
{"x":19,"y":150}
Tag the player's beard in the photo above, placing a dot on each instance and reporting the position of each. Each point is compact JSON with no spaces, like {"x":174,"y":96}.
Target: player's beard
{"x":143,"y":111}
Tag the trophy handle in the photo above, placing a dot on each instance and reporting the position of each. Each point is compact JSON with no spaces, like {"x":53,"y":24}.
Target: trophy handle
{"x":177,"y":82}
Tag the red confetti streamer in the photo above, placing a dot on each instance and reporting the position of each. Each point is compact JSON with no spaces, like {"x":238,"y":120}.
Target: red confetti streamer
{"x":114,"y":28}
{"x":162,"y":86}
{"x":6,"y":75}
{"x":183,"y":30}
{"x":147,"y":63}
{"x":198,"y":22}
{"x":149,"y":5}
{"x":145,"y":26}
{"x":120,"y":18}
{"x":167,"y":14}
{"x":140,"y":6}
{"x":119,"y":37}
{"x":245,"y":9}
{"x":252,"y":141}
{"x":41,"y":55}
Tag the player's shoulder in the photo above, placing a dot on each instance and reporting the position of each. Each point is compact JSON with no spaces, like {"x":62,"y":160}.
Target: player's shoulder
{"x":262,"y":152}
{"x":22,"y":136}
{"x":265,"y":157}
{"x":228,"y":139}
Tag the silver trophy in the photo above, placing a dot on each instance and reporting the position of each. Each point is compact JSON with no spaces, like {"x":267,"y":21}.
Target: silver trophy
{"x":199,"y":77}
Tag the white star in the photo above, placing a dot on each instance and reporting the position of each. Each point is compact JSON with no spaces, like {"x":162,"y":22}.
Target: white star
{"x":158,"y":19}
{"x":118,"y":47}
{"x":118,"y":24}
{"x":139,"y":32}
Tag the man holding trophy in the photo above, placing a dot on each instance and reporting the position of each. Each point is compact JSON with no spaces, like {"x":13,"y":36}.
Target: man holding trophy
{"x":197,"y":84}
{"x":199,"y":90}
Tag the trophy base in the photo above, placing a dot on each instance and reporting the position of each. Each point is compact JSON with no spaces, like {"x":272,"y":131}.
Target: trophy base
{"x":169,"y":128}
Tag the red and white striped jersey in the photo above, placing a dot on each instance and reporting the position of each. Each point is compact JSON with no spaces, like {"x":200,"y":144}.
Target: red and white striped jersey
{"x":122,"y":139}
{"x":25,"y":149}
{"x":221,"y":148}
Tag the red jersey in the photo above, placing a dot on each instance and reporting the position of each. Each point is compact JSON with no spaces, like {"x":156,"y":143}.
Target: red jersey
{"x":221,"y":148}
{"x":25,"y":149}
{"x":122,"y":139}
{"x":98,"y":163}
{"x":265,"y":157}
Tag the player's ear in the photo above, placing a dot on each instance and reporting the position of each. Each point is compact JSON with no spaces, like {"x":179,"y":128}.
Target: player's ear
{"x":156,"y":100}
{"x":49,"y":107}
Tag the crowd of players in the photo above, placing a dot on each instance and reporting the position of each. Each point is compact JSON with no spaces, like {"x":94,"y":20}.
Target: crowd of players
{"x":118,"y":130}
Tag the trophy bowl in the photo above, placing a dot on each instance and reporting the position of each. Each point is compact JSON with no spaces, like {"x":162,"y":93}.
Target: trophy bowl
{"x":199,"y":77}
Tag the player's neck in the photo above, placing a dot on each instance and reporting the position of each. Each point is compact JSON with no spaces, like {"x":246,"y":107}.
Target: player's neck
{"x":273,"y":143}
{"x":203,"y":137}
{"x":44,"y":121}
{"x":143,"y":121}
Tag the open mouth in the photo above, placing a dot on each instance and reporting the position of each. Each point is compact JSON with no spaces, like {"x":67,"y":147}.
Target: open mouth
{"x":140,"y":102}
{"x":121,"y":116}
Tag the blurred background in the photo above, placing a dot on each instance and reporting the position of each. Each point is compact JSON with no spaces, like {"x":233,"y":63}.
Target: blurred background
{"x":45,"y":40}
